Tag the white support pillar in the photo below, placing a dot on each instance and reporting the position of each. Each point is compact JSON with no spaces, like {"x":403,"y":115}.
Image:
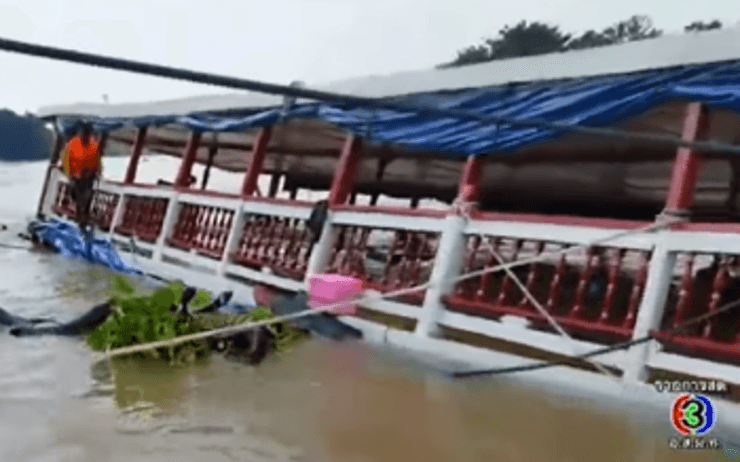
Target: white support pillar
{"x":117,"y":213}
{"x":660,"y":274}
{"x":232,"y":241}
{"x":321,"y":253}
{"x":51,"y":191}
{"x":447,"y":266}
{"x":170,"y":217}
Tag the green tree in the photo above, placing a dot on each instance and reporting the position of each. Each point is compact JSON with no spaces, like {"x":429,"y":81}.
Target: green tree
{"x":527,"y":40}
{"x":536,"y":38}
{"x":700,"y":26}
{"x":524,"y":39}
{"x":635,"y":28}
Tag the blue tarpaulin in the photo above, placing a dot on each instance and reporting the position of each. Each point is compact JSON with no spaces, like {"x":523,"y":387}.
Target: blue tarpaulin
{"x":66,"y":239}
{"x":595,"y":102}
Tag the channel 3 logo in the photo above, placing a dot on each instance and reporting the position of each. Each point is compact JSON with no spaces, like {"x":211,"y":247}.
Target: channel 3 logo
{"x":693,"y":415}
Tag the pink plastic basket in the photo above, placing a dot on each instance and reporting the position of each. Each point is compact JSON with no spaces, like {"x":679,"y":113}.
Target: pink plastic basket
{"x":328,"y":289}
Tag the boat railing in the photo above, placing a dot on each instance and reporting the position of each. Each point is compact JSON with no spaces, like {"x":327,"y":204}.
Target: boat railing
{"x":606,"y":290}
{"x":619,"y":290}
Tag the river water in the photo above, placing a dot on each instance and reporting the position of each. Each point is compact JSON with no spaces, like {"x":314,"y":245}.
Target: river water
{"x":320,"y":402}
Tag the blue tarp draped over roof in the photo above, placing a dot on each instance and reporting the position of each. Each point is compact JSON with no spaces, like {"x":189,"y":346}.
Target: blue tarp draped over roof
{"x":595,"y":101}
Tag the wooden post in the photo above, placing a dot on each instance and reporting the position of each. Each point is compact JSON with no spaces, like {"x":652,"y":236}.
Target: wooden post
{"x":344,"y":175}
{"x":259,"y":149}
{"x":374,"y":198}
{"x":211,"y":154}
{"x":657,"y":286}
{"x":56,"y":153}
{"x":469,"y":187}
{"x":186,"y":165}
{"x":133,"y":161}
{"x":447,"y":266}
{"x":274,"y":184}
{"x":102,"y":142}
{"x":687,"y":165}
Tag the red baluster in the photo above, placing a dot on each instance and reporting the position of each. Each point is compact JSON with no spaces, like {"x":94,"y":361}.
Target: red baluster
{"x":139,"y":206}
{"x":553,"y":297}
{"x":273,"y":248}
{"x":214,"y":229}
{"x":200,"y":226}
{"x":336,"y":248}
{"x":721,"y":280}
{"x":615,"y":272}
{"x":293,"y":247}
{"x":224,"y":227}
{"x":415,"y":272}
{"x":638,"y":286}
{"x":350,"y":239}
{"x":258,"y":224}
{"x":163,"y":206}
{"x":267,"y":256}
{"x":398,"y":241}
{"x":474,"y":243}
{"x":192,"y":226}
{"x":686,"y":291}
{"x":357,"y":256}
{"x":586,"y":274}
{"x":494,"y":243}
{"x":302,"y":250}
{"x":534,"y":274}
{"x":404,"y":266}
{"x":503,"y":295}
{"x":226,"y":230}
{"x":244,"y":240}
{"x":178,"y":234}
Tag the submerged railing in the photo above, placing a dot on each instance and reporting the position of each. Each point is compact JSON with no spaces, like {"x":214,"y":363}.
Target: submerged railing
{"x":619,"y":290}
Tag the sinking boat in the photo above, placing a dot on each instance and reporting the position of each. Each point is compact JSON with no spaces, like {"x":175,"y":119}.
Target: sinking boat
{"x":415,"y":199}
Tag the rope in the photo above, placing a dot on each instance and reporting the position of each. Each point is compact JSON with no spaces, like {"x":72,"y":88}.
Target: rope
{"x":342,"y":99}
{"x":541,"y":309}
{"x":598,"y":352}
{"x":11,"y":246}
{"x":251,"y":325}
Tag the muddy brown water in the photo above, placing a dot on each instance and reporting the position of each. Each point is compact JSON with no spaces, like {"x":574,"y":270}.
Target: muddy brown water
{"x":320,"y":402}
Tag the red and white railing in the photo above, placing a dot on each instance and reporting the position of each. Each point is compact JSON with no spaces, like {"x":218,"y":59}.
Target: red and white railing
{"x":621,"y":289}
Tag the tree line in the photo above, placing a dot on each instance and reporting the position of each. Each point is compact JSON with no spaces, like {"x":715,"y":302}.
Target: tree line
{"x":23,"y":138}
{"x":537,"y":38}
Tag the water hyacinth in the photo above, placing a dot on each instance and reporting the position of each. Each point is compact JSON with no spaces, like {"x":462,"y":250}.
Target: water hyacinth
{"x":146,"y":317}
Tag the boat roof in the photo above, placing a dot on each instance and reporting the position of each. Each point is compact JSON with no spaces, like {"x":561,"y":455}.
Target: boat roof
{"x":664,"y":52}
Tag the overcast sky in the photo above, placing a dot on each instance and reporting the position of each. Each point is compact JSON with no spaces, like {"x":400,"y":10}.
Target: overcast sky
{"x":277,"y":40}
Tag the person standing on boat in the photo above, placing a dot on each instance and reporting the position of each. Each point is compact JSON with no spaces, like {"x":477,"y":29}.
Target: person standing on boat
{"x":81,"y":163}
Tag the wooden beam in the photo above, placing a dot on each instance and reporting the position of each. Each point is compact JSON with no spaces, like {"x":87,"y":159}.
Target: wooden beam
{"x":469,"y":186}
{"x":56,"y":154}
{"x":186,"y":165}
{"x":136,"y":151}
{"x":249,"y":186}
{"x":102,"y":143}
{"x":274,"y":184}
{"x":211,"y":154}
{"x":687,"y":166}
{"x":344,"y":175}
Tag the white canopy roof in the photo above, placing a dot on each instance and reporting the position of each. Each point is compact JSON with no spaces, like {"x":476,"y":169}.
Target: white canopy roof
{"x":662,"y":52}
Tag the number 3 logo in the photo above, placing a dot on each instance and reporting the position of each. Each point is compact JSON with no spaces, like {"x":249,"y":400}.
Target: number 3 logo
{"x":693,"y":415}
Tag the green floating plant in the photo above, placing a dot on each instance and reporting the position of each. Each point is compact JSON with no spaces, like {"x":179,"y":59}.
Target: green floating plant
{"x":143,"y":318}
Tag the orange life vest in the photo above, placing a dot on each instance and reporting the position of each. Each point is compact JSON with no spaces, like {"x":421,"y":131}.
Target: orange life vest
{"x":81,"y":160}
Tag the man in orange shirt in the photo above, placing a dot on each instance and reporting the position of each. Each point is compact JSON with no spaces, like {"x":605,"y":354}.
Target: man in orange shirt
{"x":81,"y":163}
